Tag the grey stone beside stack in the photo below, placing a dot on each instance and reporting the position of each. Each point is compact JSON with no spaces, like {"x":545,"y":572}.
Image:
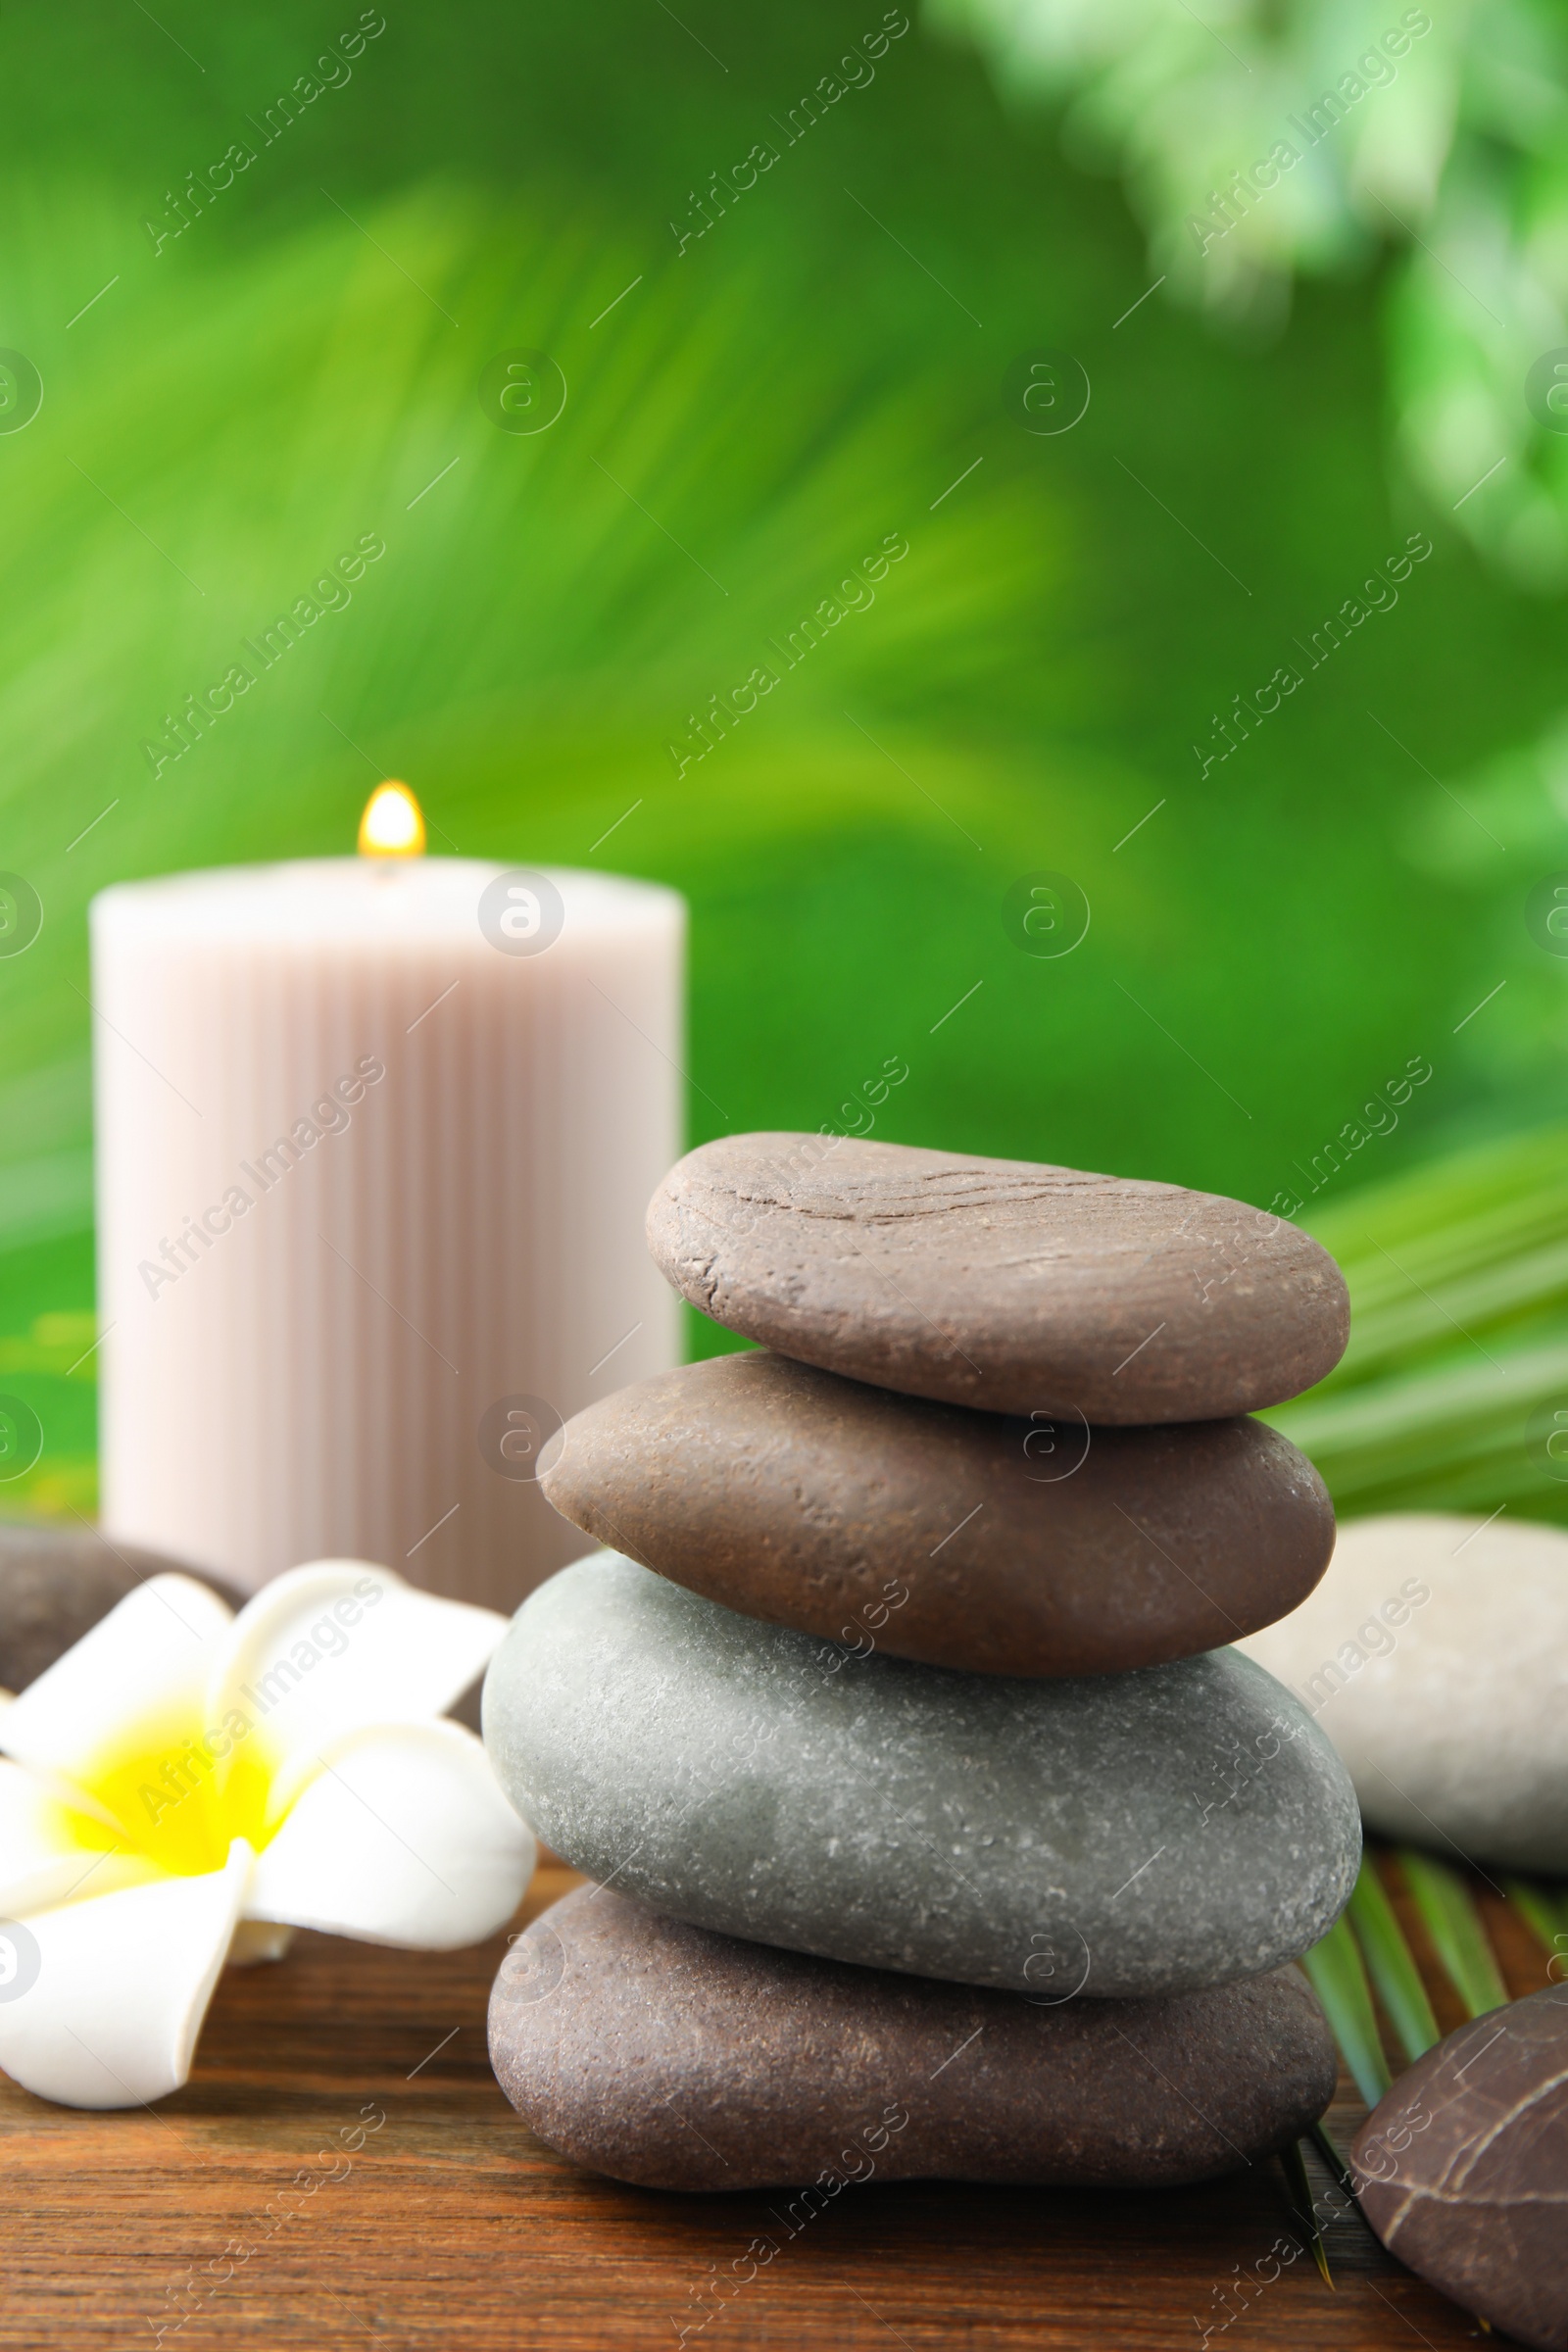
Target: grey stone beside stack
{"x":898,"y":1716}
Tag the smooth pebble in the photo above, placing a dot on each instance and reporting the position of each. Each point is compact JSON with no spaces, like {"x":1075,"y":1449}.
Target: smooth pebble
{"x":965,"y":1538}
{"x":999,"y":1283}
{"x":663,"y":2054}
{"x":1463,"y":2169}
{"x":1435,"y":1655}
{"x":1132,"y":1834}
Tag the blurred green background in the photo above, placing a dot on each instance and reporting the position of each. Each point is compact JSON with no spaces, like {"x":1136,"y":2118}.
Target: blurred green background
{"x":748,"y":415}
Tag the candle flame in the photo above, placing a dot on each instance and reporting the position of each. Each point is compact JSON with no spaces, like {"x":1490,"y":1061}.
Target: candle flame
{"x":392,"y":825}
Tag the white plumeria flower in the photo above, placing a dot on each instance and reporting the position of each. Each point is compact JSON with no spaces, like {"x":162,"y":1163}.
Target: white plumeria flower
{"x":188,"y":1787}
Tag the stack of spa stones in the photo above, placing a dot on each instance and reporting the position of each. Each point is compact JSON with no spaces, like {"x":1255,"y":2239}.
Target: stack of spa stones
{"x":936,"y":1828}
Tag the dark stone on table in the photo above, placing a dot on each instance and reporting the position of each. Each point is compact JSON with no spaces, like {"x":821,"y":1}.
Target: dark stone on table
{"x":56,"y":1583}
{"x":1463,"y":2169}
{"x":1000,"y":1284}
{"x":1128,"y":1833}
{"x":663,"y":2054}
{"x":964,"y":1538}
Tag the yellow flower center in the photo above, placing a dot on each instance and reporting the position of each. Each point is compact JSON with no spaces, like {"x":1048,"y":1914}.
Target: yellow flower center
{"x":180,"y":1795}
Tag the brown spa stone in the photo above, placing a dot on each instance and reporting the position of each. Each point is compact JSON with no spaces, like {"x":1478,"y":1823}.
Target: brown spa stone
{"x":55,"y":1584}
{"x":672,"y":2057}
{"x":997,"y":1283}
{"x":963,"y":1538}
{"x":1462,"y":2168}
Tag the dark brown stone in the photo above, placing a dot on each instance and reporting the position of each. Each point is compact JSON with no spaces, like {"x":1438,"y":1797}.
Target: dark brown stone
{"x":1000,"y":1284}
{"x":663,"y":2054}
{"x":1463,"y":2169}
{"x":56,"y":1583}
{"x":964,"y":1539}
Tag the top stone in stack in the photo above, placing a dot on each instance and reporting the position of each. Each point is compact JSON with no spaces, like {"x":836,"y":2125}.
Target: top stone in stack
{"x":1000,"y":1284}
{"x":1065,"y":1528}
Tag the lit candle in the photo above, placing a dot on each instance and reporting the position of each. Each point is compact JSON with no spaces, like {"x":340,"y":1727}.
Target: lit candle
{"x":375,"y":1137}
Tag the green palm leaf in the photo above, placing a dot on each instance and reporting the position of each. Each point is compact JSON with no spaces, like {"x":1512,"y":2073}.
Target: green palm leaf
{"x":1301,"y":2205}
{"x":1450,"y":1918}
{"x":1390,"y":1963}
{"x":1543,"y":1905}
{"x":1339,"y":1978}
{"x":1458,"y":1281}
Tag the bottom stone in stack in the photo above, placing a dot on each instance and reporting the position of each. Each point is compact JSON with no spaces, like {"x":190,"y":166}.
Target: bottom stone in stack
{"x":673,"y":2057}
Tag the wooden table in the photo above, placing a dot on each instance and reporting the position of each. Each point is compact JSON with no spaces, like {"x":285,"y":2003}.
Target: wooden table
{"x":452,"y":2224}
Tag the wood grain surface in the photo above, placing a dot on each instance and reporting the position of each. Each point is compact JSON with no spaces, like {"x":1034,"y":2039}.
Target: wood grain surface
{"x":266,"y":2205}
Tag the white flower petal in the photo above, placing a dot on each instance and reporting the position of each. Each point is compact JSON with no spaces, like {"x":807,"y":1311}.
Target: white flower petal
{"x":146,"y":1662}
{"x":328,"y":1650}
{"x":404,"y":1837}
{"x":121,"y":1986}
{"x":49,"y":1851}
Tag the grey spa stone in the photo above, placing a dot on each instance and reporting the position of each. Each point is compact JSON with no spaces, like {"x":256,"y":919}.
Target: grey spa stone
{"x":1435,"y":1655}
{"x":1144,"y":1832}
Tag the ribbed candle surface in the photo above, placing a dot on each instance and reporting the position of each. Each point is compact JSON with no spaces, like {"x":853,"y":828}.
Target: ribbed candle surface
{"x":376,"y":1139}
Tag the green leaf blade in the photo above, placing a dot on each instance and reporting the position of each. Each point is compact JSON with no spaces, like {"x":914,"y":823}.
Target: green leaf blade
{"x":1543,"y":1905}
{"x":1391,"y":1964}
{"x":1450,"y":1918}
{"x":1338,"y":1977}
{"x":1302,"y":2207}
